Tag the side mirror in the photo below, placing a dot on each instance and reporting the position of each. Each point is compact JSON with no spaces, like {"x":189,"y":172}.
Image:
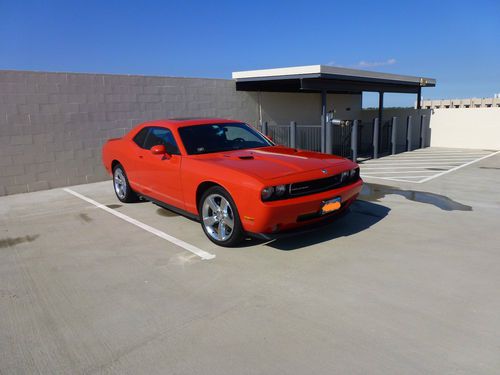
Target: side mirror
{"x":158,"y":150}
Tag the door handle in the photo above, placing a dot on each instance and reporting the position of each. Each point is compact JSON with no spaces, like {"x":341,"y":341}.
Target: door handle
{"x":140,"y":156}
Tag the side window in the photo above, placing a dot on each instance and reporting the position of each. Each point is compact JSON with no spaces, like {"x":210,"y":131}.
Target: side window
{"x":161,"y":136}
{"x":140,"y":137}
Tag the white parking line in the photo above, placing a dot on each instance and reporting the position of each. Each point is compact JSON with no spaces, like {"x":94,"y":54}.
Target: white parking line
{"x":413,"y":163}
{"x":383,"y":172}
{"x":417,"y":152}
{"x":193,"y":249}
{"x":424,"y":158}
{"x":462,"y":152}
{"x":465,"y":154}
{"x":408,"y":167}
{"x":416,"y":167}
{"x":460,"y":166}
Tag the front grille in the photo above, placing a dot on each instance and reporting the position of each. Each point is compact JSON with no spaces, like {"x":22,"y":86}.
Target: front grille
{"x":320,"y":185}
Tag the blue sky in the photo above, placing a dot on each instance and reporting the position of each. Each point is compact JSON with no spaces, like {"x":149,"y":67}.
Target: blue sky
{"x":456,"y":42}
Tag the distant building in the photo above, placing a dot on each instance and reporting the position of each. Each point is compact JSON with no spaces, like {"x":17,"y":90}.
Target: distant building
{"x":463,"y":103}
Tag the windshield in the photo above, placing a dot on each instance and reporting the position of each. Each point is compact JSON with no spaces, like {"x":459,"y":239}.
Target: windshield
{"x":203,"y":139}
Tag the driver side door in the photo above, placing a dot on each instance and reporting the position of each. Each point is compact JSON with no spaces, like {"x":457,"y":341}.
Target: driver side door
{"x":162,"y":173}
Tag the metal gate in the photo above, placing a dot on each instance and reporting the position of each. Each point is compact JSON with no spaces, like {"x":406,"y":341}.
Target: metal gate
{"x":341,"y":142}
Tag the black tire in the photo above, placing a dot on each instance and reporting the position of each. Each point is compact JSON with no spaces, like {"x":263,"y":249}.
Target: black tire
{"x":125,"y":194}
{"x":216,"y":233}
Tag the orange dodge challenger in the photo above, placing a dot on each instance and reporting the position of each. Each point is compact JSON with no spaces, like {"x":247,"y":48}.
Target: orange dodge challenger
{"x":230,"y":177}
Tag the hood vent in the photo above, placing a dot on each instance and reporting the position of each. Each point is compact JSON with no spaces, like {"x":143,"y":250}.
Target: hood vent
{"x":246,"y":157}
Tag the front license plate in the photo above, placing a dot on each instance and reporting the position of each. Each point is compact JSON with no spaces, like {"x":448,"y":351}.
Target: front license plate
{"x":331,"y":205}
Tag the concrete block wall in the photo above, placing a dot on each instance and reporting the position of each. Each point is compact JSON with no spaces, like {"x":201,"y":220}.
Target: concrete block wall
{"x":279,"y":108}
{"x":52,"y":125}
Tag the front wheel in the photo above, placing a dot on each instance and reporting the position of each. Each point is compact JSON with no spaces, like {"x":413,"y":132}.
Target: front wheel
{"x":219,"y":217}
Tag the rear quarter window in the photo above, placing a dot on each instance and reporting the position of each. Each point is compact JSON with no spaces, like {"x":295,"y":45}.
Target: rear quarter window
{"x":140,"y":137}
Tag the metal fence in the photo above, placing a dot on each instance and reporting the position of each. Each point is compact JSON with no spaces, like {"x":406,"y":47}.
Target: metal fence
{"x":280,"y":134}
{"x":393,"y":136}
{"x":309,"y":137}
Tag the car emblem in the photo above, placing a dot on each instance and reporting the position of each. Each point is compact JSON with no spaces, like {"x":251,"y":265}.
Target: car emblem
{"x":324,"y":171}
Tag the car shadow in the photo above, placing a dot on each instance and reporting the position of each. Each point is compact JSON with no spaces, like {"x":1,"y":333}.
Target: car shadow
{"x":360,"y":216}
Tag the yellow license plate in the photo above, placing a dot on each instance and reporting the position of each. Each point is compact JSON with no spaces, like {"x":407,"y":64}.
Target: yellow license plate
{"x":331,"y":205}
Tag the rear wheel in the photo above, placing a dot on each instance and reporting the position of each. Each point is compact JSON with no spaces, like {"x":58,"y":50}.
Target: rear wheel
{"x":219,"y":217}
{"x":122,"y":187}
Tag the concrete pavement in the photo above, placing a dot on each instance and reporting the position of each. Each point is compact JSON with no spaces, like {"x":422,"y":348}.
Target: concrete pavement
{"x":407,"y":283}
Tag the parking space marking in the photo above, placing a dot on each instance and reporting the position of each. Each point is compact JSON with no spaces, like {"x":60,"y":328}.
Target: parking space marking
{"x":407,"y":167}
{"x":421,"y":166}
{"x":392,"y":172}
{"x":460,"y":166}
{"x":186,"y":246}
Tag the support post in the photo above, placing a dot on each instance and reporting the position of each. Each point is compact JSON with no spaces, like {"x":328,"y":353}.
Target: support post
{"x":265,"y":128}
{"x":329,"y":141}
{"x":376,"y":132}
{"x":408,"y":134}
{"x":419,"y":98}
{"x":323,"y":120}
{"x":394,"y":135}
{"x":293,"y":134}
{"x":422,"y":131}
{"x":354,"y":140}
{"x":380,"y":107}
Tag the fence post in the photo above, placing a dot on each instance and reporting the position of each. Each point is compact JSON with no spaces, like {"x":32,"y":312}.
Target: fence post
{"x":329,"y":135}
{"x":422,"y":131}
{"x":293,"y":134}
{"x":394,"y":135}
{"x":354,"y":140}
{"x":265,"y":129}
{"x":376,"y":129}
{"x":408,"y":134}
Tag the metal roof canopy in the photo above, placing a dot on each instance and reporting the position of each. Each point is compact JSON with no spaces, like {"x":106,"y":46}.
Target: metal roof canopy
{"x":321,"y":78}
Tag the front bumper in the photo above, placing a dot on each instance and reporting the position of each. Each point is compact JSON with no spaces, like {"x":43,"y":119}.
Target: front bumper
{"x":267,"y":218}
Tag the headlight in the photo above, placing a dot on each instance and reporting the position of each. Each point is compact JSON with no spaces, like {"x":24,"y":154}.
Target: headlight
{"x":271,"y":193}
{"x":280,"y":190}
{"x":267,"y":193}
{"x":348,"y":175}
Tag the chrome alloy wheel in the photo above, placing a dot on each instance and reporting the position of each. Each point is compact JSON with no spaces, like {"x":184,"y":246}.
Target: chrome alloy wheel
{"x":218,"y":217}
{"x":120,"y":183}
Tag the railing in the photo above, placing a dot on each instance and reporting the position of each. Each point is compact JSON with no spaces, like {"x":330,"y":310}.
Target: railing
{"x":371,"y":139}
{"x":309,"y":137}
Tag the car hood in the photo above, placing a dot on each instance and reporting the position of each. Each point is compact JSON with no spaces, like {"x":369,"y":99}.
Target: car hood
{"x":269,"y":163}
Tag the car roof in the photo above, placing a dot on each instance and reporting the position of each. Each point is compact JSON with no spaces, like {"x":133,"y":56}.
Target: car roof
{"x":180,"y":122}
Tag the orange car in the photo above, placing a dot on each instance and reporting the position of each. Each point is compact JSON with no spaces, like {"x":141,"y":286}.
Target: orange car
{"x":230,"y":177}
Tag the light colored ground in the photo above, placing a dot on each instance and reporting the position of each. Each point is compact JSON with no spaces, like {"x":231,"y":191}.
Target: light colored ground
{"x":422,"y":165}
{"x":407,"y":283}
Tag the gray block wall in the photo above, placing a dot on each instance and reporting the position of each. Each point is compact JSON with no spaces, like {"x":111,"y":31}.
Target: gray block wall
{"x":52,"y":125}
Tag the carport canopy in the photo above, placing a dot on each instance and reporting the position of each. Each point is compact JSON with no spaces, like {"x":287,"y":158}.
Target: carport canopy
{"x":326,"y":79}
{"x":318,"y":78}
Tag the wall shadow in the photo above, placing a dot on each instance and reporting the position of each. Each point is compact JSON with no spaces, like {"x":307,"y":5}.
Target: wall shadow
{"x":360,"y":216}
